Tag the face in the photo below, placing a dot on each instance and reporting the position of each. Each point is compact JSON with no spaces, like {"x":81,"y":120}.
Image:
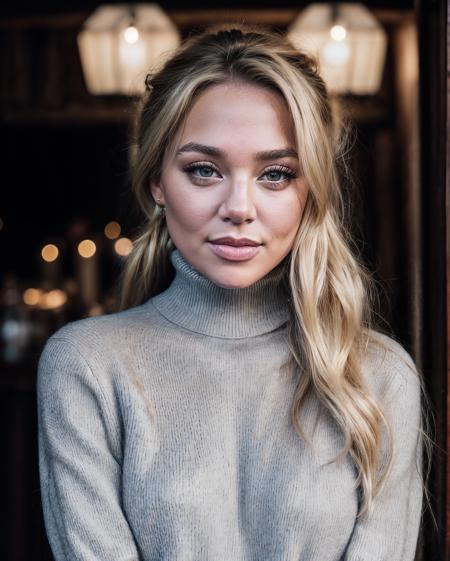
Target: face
{"x":232,"y":172}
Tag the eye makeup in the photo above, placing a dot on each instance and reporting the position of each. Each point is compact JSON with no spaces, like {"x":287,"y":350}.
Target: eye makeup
{"x":190,"y":170}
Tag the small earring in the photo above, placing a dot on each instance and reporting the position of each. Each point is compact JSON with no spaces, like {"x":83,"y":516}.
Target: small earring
{"x":163,"y":208}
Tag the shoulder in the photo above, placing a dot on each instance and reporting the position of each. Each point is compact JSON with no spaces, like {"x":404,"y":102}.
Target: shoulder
{"x":98,"y":347}
{"x":98,"y":335}
{"x":389,"y":369}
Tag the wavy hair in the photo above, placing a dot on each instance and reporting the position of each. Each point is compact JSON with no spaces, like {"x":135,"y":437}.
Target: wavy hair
{"x":332,"y":293}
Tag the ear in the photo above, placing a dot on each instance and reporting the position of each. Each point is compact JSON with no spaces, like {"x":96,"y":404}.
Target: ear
{"x":156,"y":190}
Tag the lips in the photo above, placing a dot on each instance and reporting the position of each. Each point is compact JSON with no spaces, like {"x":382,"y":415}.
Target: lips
{"x":235,"y":249}
{"x":235,"y":242}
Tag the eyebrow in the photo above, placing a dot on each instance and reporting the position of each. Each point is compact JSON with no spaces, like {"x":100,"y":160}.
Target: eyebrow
{"x":260,"y":156}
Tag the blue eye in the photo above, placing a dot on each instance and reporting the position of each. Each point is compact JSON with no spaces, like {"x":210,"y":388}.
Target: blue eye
{"x":274,"y":174}
{"x":270,"y":175}
{"x":209,"y":171}
{"x":206,"y":171}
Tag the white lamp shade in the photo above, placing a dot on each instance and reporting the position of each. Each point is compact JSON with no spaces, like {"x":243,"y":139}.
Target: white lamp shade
{"x":116,"y":57}
{"x":351,"y":48}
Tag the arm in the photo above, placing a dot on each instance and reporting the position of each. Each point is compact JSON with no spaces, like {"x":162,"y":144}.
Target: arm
{"x":79,"y":476}
{"x":391,"y":532}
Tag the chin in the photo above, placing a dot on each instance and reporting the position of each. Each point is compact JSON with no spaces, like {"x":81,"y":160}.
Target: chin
{"x":236,"y":280}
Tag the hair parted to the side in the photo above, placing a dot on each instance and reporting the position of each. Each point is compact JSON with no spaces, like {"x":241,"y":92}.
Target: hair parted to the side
{"x":332,"y":293}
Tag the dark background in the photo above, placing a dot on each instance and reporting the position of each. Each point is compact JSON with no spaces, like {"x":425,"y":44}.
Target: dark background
{"x":65,"y":175}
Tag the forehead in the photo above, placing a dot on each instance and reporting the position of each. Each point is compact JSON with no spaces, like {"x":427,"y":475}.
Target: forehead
{"x":238,"y":115}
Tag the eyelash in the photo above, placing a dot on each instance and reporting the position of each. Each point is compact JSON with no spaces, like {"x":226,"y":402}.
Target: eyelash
{"x":189,"y":169}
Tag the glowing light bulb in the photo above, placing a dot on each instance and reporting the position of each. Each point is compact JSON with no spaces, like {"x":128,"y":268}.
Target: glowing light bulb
{"x":32,"y":296}
{"x":123,"y":247}
{"x":49,"y":252}
{"x":87,"y":248}
{"x":338,"y":32}
{"x":112,"y":230}
{"x":131,"y":35}
{"x":54,"y":299}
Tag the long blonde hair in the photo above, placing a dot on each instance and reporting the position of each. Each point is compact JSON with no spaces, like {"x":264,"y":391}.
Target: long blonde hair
{"x":333,"y":294}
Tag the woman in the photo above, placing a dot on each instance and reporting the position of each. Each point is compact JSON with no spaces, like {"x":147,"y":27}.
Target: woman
{"x":240,"y":404}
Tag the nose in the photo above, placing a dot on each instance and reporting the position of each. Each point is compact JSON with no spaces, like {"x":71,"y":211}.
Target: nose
{"x":238,"y":205}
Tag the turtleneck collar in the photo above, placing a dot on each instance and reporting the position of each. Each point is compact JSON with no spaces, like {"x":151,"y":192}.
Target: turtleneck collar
{"x":196,"y":303}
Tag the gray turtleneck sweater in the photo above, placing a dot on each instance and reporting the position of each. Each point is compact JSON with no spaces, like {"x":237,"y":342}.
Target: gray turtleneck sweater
{"x":165,"y":434}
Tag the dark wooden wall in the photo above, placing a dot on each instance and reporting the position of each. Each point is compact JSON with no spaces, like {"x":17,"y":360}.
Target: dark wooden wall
{"x":432,"y":18}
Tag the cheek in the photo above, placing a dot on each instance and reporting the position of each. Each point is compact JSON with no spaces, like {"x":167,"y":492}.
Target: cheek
{"x":283,"y":218}
{"x":188,"y":216}
{"x":188,"y":210}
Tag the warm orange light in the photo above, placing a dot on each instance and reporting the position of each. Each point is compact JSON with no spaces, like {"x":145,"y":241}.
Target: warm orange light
{"x":123,"y":247}
{"x":116,"y":56}
{"x":49,"y":252}
{"x":54,"y":299}
{"x":349,"y":43}
{"x":112,"y":230}
{"x":87,"y":248}
{"x":96,"y":310}
{"x":32,"y":296}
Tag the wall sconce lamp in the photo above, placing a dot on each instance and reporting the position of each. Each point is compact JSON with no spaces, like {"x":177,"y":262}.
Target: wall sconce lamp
{"x":349,"y":43}
{"x":120,"y":44}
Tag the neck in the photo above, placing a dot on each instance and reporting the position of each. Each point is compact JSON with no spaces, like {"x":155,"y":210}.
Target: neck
{"x":196,"y":303}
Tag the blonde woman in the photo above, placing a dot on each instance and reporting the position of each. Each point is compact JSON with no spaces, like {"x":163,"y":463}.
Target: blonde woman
{"x":240,"y":405}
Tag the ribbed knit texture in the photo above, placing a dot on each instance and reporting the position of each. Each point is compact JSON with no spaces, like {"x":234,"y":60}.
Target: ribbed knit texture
{"x":165,"y":434}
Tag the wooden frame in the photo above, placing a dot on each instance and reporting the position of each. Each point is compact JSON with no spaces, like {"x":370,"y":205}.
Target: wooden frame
{"x":435,"y":157}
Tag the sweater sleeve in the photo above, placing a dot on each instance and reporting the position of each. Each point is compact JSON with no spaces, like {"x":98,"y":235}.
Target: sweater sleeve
{"x":80,"y":478}
{"x":391,"y":532}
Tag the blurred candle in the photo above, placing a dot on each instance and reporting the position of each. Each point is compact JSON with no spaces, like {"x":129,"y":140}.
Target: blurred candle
{"x":123,"y":247}
{"x":50,"y":265}
{"x":88,"y":272}
{"x":112,"y":230}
